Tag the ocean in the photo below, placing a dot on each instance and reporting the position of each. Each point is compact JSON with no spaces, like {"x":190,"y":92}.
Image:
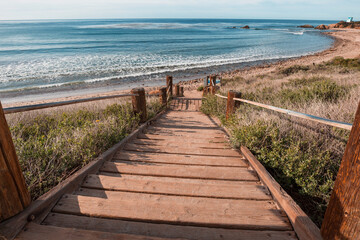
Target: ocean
{"x":38,"y":58}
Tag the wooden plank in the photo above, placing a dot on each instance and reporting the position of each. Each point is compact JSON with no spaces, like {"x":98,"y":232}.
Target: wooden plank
{"x":11,"y":227}
{"x":163,"y":230}
{"x":180,"y":159}
{"x":193,"y":139}
{"x":303,"y":226}
{"x":154,"y":143}
{"x":183,"y":151}
{"x":176,"y":186}
{"x":241,"y":214}
{"x":185,"y":130}
{"x":13,"y":173}
{"x":342,"y":217}
{"x":42,"y":232}
{"x":190,"y":171}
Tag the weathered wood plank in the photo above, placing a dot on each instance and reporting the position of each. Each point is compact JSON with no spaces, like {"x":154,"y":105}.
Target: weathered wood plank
{"x":190,"y":171}
{"x":10,"y":203}
{"x":185,"y":131}
{"x":12,"y":173}
{"x":194,"y":139}
{"x":303,"y":226}
{"x":180,"y":159}
{"x":183,"y":151}
{"x":163,"y":230}
{"x":183,"y":144}
{"x":342,"y":217}
{"x":239,"y":214}
{"x":42,"y":232}
{"x":176,"y":186}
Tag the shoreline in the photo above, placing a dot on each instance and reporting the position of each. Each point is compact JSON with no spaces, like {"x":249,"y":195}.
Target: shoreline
{"x":346,"y":44}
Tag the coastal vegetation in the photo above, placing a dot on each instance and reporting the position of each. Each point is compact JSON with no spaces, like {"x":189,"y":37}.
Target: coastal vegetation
{"x":303,"y":156}
{"x":52,"y":144}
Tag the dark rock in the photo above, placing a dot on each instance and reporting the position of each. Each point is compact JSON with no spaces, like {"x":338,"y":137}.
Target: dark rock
{"x":306,"y":26}
{"x":246,"y":27}
{"x":322,"y":27}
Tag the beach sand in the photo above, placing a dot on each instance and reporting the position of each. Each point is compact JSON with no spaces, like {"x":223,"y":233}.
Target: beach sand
{"x":347,"y":45}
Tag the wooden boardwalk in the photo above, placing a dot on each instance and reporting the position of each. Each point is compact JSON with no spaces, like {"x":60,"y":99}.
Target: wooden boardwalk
{"x":178,"y":179}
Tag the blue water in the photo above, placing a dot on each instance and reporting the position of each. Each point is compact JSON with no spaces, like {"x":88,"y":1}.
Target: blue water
{"x":50,"y":54}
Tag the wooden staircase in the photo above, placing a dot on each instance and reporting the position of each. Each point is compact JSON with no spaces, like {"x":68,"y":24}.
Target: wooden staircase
{"x":178,"y":179}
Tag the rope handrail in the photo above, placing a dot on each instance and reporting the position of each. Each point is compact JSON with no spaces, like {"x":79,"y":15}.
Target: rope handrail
{"x":326,"y":121}
{"x":61,"y":103}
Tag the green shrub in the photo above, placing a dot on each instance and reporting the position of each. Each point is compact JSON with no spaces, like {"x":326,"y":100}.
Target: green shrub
{"x":353,"y":63}
{"x":201,"y":88}
{"x":294,"y":69}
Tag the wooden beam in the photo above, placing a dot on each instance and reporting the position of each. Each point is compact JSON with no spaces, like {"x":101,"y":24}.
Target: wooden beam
{"x":231,"y":104}
{"x":169,"y":85}
{"x":303,"y":226}
{"x":163,"y":97}
{"x":139,"y":103}
{"x":177,"y":90}
{"x":13,"y":190}
{"x":342,"y":217}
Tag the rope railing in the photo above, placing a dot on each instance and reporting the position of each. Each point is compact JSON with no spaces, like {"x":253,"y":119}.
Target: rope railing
{"x":60,"y":103}
{"x":313,"y":118}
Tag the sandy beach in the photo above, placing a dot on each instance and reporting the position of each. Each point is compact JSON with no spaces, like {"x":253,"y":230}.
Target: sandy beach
{"x":347,"y":45}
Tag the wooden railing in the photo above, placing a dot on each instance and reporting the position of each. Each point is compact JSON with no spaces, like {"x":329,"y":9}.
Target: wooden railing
{"x":342,"y":217}
{"x":14,"y":195}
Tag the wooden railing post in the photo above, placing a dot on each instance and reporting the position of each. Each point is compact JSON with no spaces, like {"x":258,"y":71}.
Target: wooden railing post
{"x":181,"y":91}
{"x":342,"y":217}
{"x":14,"y":195}
{"x":139,"y":103}
{"x":231,"y":105}
{"x":163,"y":97}
{"x":177,"y":90}
{"x":169,"y":85}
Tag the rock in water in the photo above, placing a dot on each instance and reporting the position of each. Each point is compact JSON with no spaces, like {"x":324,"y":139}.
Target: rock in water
{"x":306,"y":26}
{"x":246,"y":27}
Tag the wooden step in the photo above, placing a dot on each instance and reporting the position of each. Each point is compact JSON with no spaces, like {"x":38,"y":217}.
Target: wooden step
{"x":180,"y":159}
{"x":194,"y":139}
{"x":182,"y":144}
{"x":240,"y":214}
{"x":185,"y":130}
{"x":42,"y":232}
{"x":183,"y":151}
{"x":183,"y":171}
{"x":176,"y":186}
{"x":163,"y":230}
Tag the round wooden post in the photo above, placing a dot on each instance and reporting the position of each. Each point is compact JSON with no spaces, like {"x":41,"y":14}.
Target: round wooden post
{"x":231,"y":105}
{"x":139,"y":103}
{"x":181,"y":91}
{"x":13,"y":190}
{"x":169,"y":85}
{"x":214,"y":80}
{"x":177,"y":90}
{"x":342,"y":217}
{"x":163,"y":99}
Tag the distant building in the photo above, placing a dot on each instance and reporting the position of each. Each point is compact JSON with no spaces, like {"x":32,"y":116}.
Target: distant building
{"x":350,"y":19}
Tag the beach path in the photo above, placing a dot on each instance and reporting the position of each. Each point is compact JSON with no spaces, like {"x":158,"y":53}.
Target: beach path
{"x":178,"y":179}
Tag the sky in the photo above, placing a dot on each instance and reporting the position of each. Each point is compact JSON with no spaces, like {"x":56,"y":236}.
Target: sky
{"x":236,"y":9}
